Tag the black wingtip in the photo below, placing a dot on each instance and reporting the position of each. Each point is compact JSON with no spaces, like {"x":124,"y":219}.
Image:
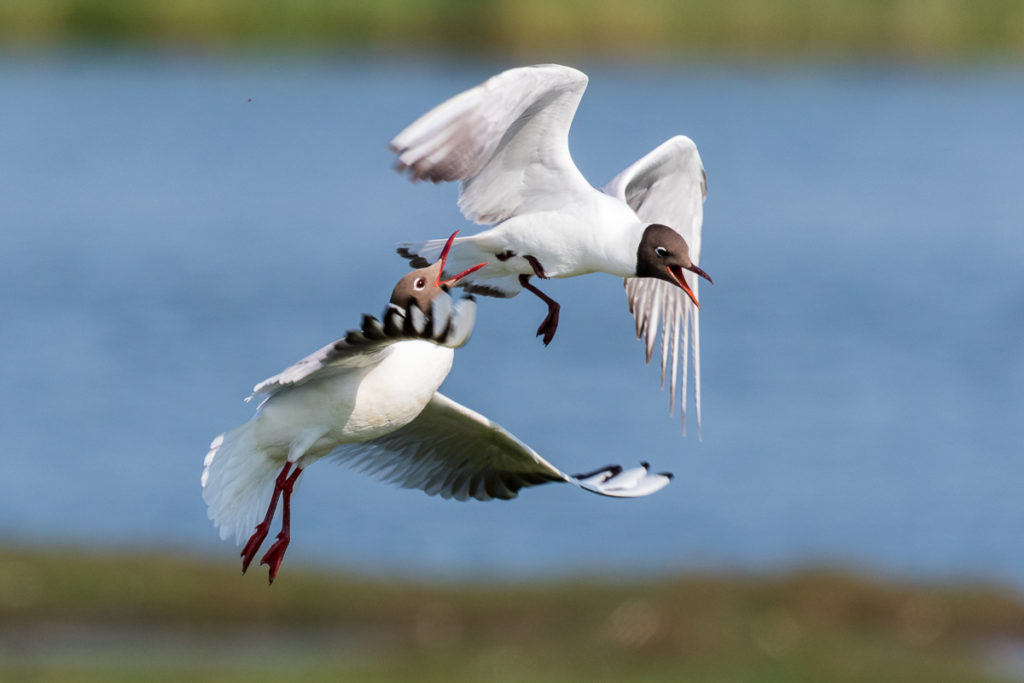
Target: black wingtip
{"x":438,"y":335}
{"x":611,"y":470}
{"x":372,"y":328}
{"x":484,"y":290}
{"x":646,"y":465}
{"x":415,"y":260}
{"x":393,"y":322}
{"x":667,"y":475}
{"x":409,"y":329}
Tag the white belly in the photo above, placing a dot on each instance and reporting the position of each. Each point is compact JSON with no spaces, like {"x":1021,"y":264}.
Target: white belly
{"x":597,"y":235}
{"x":357,"y":405}
{"x":397,"y":389}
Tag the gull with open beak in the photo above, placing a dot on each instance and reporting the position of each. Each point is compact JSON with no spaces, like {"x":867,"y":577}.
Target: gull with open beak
{"x":370,"y":400}
{"x":506,"y":142}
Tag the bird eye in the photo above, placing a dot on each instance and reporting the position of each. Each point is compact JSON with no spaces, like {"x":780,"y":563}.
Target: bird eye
{"x":661,"y":251}
{"x":420,"y":283}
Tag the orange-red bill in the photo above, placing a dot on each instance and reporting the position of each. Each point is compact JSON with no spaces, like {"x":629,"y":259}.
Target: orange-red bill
{"x":677,"y":274}
{"x":461,"y":275}
{"x":444,"y":257}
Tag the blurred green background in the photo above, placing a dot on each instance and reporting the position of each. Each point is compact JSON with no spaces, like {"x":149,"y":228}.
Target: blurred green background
{"x":904,"y":29}
{"x":77,"y":616}
{"x":74,"y":615}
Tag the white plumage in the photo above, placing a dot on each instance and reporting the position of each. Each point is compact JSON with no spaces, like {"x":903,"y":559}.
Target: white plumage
{"x":370,"y":399}
{"x":506,"y":141}
{"x":344,"y":393}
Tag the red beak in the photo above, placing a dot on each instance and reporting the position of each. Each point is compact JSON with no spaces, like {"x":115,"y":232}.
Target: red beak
{"x":444,"y":257}
{"x":677,"y":275}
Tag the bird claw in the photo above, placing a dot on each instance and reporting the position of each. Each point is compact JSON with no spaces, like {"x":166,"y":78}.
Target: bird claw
{"x":549,"y":326}
{"x":253,"y":544}
{"x":275,"y":555}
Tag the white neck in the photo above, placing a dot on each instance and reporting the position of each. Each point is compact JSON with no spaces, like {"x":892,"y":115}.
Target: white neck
{"x":620,"y":239}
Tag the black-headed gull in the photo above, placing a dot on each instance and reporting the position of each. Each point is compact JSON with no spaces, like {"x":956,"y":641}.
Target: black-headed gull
{"x":370,"y":400}
{"x":506,"y":141}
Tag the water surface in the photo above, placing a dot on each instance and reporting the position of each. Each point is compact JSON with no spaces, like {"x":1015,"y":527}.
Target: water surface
{"x":174,"y":230}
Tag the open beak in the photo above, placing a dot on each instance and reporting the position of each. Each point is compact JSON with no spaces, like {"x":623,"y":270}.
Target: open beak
{"x":677,"y":276}
{"x":444,"y":257}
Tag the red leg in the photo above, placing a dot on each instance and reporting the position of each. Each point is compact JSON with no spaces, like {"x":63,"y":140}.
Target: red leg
{"x":550,"y":323}
{"x":276,"y":552}
{"x":258,"y":536}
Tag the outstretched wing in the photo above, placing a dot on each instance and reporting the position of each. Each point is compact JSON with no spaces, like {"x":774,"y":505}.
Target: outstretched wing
{"x":506,"y":140}
{"x":668,"y":186}
{"x":454,"y":452}
{"x":447,"y":323}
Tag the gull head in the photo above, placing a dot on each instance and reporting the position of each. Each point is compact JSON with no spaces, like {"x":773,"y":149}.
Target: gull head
{"x":422,"y":285}
{"x":664,"y":254}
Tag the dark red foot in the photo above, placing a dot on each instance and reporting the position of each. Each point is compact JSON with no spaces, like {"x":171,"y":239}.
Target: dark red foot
{"x":275,"y":555}
{"x":254,"y":543}
{"x":550,"y":324}
{"x":282,"y":489}
{"x":258,"y":536}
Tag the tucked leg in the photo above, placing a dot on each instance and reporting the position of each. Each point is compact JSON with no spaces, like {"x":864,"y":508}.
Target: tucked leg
{"x":256,"y":540}
{"x":276,"y":552}
{"x":550,"y":323}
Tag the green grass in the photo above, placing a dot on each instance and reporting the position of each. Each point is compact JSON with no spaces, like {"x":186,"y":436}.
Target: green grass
{"x":538,"y":29}
{"x":71,"y":616}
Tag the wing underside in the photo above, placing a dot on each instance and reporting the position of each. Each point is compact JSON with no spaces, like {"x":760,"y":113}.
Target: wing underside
{"x":454,"y":452}
{"x":668,"y":186}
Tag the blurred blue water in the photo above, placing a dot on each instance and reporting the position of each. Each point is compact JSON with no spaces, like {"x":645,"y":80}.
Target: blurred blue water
{"x":174,"y":230}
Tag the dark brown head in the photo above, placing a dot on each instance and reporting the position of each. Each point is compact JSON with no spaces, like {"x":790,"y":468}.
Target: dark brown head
{"x":664,"y":254}
{"x":424,"y":284}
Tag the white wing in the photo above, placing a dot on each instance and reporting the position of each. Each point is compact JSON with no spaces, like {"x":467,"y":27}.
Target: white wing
{"x":454,"y":452}
{"x":668,"y":186}
{"x":447,"y":324}
{"x":507,"y":140}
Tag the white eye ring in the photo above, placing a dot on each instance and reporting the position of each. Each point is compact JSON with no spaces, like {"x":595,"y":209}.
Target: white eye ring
{"x":661,"y":251}
{"x":420,"y":283}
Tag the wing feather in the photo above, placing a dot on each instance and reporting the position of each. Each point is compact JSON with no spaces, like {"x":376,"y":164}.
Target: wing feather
{"x":668,"y":186}
{"x":454,"y":452}
{"x":447,"y":324}
{"x":506,"y":140}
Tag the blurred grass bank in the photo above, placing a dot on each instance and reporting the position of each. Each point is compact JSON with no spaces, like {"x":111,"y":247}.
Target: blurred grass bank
{"x":906,"y":29}
{"x":73,"y":616}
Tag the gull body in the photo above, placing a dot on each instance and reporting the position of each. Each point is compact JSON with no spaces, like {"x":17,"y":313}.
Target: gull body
{"x":370,"y":400}
{"x":607,"y":245}
{"x":354,"y":404}
{"x":506,"y":142}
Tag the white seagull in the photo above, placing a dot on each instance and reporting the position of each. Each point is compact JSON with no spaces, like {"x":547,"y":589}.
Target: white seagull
{"x":507,"y":142}
{"x":370,"y":400}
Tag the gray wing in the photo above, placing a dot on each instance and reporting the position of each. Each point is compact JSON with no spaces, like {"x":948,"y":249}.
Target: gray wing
{"x":447,"y":324}
{"x":454,"y":452}
{"x":506,"y":140}
{"x":668,"y":186}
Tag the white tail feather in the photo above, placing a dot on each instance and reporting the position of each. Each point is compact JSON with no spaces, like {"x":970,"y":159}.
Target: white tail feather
{"x":429,"y":251}
{"x":464,"y":254}
{"x":237,"y":482}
